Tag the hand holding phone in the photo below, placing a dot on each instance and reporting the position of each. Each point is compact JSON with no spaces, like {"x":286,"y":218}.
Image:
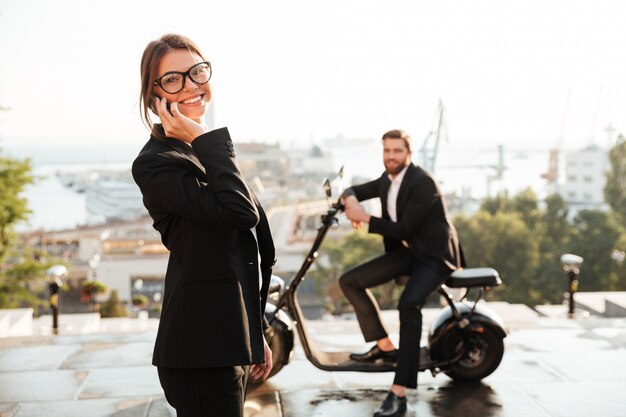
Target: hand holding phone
{"x":175,"y":124}
{"x":153,"y":105}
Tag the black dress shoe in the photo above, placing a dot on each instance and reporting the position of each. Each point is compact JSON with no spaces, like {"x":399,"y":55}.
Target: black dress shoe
{"x":393,"y":406}
{"x":373,"y":354}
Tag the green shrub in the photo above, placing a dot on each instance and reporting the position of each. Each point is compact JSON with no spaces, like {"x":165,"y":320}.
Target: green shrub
{"x":113,"y":307}
{"x":139,"y":300}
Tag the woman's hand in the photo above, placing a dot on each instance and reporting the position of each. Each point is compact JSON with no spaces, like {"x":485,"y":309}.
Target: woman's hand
{"x":259,"y":371}
{"x":177,"y":125}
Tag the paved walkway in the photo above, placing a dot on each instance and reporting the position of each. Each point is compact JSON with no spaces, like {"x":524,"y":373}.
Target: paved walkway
{"x":552,"y":367}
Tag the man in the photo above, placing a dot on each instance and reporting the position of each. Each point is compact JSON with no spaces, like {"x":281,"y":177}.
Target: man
{"x":420,"y":241}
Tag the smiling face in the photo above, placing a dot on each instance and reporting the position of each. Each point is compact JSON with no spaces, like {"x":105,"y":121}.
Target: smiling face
{"x":396,"y":155}
{"x":193,"y":100}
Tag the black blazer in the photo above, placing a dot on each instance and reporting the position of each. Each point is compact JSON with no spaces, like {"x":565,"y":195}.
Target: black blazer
{"x":204,"y":210}
{"x":423,"y":222}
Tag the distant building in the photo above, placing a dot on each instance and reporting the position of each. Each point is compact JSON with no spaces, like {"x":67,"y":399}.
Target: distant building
{"x":585,"y":178}
{"x":114,"y":199}
{"x":267,"y":162}
{"x":127,"y":256}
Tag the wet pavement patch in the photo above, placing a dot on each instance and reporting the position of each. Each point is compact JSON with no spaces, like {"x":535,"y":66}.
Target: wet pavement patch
{"x":464,"y":399}
{"x":354,"y":395}
{"x":263,"y":405}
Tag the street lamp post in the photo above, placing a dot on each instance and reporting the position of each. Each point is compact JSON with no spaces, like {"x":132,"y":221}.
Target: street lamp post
{"x":53,"y":276}
{"x":571,"y":265}
{"x":94,"y":262}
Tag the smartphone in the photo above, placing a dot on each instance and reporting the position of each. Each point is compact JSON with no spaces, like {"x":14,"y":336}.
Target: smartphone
{"x":153,"y":105}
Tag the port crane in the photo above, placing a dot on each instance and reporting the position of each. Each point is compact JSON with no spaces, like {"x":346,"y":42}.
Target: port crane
{"x":430,"y":147}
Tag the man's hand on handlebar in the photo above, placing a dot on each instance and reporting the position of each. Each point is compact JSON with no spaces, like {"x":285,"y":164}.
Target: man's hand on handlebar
{"x":355,"y":211}
{"x":349,"y":201}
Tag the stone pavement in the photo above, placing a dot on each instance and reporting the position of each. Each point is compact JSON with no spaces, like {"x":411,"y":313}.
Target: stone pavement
{"x":551,"y":367}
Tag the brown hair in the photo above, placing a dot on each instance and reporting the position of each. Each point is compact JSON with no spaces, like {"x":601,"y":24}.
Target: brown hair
{"x":150,"y":60}
{"x":399,"y":134}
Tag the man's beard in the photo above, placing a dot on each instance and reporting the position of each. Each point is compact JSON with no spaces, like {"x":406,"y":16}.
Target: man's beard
{"x":395,"y":170}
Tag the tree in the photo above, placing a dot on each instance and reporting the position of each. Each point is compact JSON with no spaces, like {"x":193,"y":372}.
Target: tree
{"x":554,"y":234}
{"x":21,"y":284}
{"x":554,"y":219}
{"x":526,"y":204}
{"x":620,"y":262}
{"x":549,"y":228}
{"x":139,"y":300}
{"x":615,"y":188}
{"x":19,"y":272}
{"x":90,"y":289}
{"x":493,"y":205}
{"x":14,"y":176}
{"x":504,"y":242}
{"x":339,"y":255}
{"x":113,"y":307}
{"x":595,"y":236}
{"x":525,"y":242}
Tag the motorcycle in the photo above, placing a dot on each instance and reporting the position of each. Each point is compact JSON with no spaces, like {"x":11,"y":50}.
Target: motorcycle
{"x":465,"y":341}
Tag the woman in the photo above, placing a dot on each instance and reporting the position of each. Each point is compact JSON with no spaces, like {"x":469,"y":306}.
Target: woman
{"x":221,"y":249}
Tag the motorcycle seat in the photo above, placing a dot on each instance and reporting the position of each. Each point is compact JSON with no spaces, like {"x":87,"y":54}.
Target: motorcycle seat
{"x":466,"y":278}
{"x":474,"y":277}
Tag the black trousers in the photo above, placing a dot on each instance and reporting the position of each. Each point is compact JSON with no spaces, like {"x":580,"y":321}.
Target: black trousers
{"x":425,"y":277}
{"x":205,"y":392}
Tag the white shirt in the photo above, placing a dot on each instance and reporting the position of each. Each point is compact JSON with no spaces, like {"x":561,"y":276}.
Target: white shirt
{"x":253,"y":230}
{"x":392,"y":194}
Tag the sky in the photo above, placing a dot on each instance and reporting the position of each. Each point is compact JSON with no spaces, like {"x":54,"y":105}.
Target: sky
{"x":531,"y":74}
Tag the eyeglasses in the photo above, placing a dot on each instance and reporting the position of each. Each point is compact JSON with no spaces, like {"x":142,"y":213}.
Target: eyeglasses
{"x":174,"y":81}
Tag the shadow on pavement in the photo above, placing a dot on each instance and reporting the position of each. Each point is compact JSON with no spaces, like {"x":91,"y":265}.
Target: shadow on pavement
{"x":462,"y":399}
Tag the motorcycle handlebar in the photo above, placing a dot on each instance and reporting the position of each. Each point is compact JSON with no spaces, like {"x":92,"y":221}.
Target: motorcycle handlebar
{"x":338,"y":205}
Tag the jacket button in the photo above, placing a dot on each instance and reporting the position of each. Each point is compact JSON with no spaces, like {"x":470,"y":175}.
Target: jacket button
{"x":229,"y":143}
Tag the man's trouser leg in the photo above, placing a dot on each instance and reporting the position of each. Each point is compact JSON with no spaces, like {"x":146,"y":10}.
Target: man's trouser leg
{"x":424,"y":280}
{"x":356,"y":281}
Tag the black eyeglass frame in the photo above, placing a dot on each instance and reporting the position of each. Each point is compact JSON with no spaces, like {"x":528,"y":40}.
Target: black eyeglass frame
{"x":184,"y":74}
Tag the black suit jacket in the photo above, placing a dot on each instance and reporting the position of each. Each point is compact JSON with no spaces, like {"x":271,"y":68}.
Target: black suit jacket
{"x":204,"y":210}
{"x":423,"y":222}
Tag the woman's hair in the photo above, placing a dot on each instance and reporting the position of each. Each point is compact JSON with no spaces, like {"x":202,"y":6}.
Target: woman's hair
{"x":399,"y":134}
{"x":150,"y":60}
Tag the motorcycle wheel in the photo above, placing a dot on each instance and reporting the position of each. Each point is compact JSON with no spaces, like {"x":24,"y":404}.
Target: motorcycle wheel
{"x":278,"y":338}
{"x":482,"y":356}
